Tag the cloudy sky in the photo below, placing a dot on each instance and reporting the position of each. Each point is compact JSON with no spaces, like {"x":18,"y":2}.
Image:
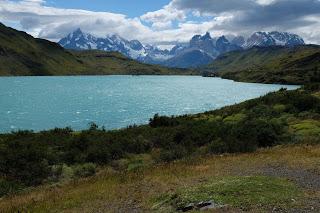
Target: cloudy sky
{"x":162,"y":22}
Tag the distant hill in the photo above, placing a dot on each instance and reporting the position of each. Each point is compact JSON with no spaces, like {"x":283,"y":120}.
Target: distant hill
{"x":189,"y":59}
{"x":21,"y":54}
{"x":275,"y":64}
{"x":110,"y":63}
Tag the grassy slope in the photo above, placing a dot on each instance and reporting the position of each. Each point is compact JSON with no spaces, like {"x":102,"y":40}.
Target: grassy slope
{"x":296,"y":65}
{"x":244,"y":181}
{"x":21,"y":54}
{"x":107,"y":63}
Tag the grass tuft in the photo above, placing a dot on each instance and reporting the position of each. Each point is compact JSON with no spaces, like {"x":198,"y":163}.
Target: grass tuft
{"x":240,"y":192}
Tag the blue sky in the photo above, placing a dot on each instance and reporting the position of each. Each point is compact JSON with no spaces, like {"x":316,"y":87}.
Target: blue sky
{"x":162,"y":22}
{"x":132,"y":8}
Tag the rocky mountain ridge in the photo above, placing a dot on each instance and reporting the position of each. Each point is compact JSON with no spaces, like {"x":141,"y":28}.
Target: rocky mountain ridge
{"x":200,"y":50}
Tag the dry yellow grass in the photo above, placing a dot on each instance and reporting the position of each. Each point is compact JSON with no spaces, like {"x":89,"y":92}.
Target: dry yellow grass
{"x":112,"y":191}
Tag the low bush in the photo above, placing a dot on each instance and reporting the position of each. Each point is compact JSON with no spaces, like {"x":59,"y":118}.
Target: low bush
{"x":8,"y":187}
{"x":160,"y":121}
{"x":217,"y":147}
{"x":172,"y":154}
{"x":24,"y":161}
{"x":84,"y":170}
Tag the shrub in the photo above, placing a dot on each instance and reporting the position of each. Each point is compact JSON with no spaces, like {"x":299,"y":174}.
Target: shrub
{"x":93,"y":126}
{"x":8,"y":187}
{"x":312,"y":87}
{"x":84,"y":170}
{"x":56,"y":172}
{"x":235,"y":118}
{"x":167,"y":155}
{"x":161,"y":121}
{"x":307,"y":128}
{"x":305,"y":102}
{"x":279,"y":108}
{"x":139,"y":145}
{"x":217,"y":147}
{"x":24,"y":161}
{"x":268,"y":133}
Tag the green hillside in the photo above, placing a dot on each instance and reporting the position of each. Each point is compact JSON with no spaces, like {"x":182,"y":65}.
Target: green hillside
{"x":293,"y":65}
{"x":106,"y":63}
{"x":21,"y":54}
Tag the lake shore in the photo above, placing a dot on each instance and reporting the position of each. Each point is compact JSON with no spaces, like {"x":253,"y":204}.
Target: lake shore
{"x":39,"y":103}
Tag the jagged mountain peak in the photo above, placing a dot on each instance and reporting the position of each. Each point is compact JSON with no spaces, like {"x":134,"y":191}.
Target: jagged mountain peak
{"x":202,"y":47}
{"x":224,"y":45}
{"x":78,"y":31}
{"x":222,"y":39}
{"x":78,"y":40}
{"x":116,"y":37}
{"x":260,"y":33}
{"x":206,"y":36}
{"x":136,"y":45}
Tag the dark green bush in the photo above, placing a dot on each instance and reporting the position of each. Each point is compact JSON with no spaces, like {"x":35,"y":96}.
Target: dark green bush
{"x":8,"y":187}
{"x":24,"y":161}
{"x":172,"y":154}
{"x":84,"y":170}
{"x":160,"y":121}
{"x":217,"y":147}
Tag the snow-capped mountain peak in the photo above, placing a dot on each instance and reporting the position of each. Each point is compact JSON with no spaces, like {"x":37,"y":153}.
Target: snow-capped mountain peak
{"x":286,"y":39}
{"x":203,"y":47}
{"x":259,"y":39}
{"x":273,"y":38}
{"x":133,"y":49}
{"x":79,"y":40}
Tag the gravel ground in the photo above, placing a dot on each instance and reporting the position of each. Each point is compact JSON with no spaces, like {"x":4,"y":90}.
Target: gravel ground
{"x":308,"y":181}
{"x":305,"y":179}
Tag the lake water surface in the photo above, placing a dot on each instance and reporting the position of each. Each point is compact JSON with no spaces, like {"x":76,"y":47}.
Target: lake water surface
{"x":39,"y":103}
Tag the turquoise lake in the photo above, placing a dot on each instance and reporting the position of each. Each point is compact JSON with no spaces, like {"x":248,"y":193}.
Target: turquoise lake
{"x":40,"y":103}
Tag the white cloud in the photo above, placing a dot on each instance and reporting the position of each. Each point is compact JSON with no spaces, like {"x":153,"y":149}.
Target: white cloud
{"x":248,"y":16}
{"x":54,"y":23}
{"x":162,"y":25}
{"x":163,"y":18}
{"x":265,"y":2}
{"x":172,"y":23}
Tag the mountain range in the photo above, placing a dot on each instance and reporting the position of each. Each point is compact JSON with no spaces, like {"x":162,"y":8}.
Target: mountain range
{"x":21,"y":55}
{"x":278,"y":59}
{"x":199,"y":51}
